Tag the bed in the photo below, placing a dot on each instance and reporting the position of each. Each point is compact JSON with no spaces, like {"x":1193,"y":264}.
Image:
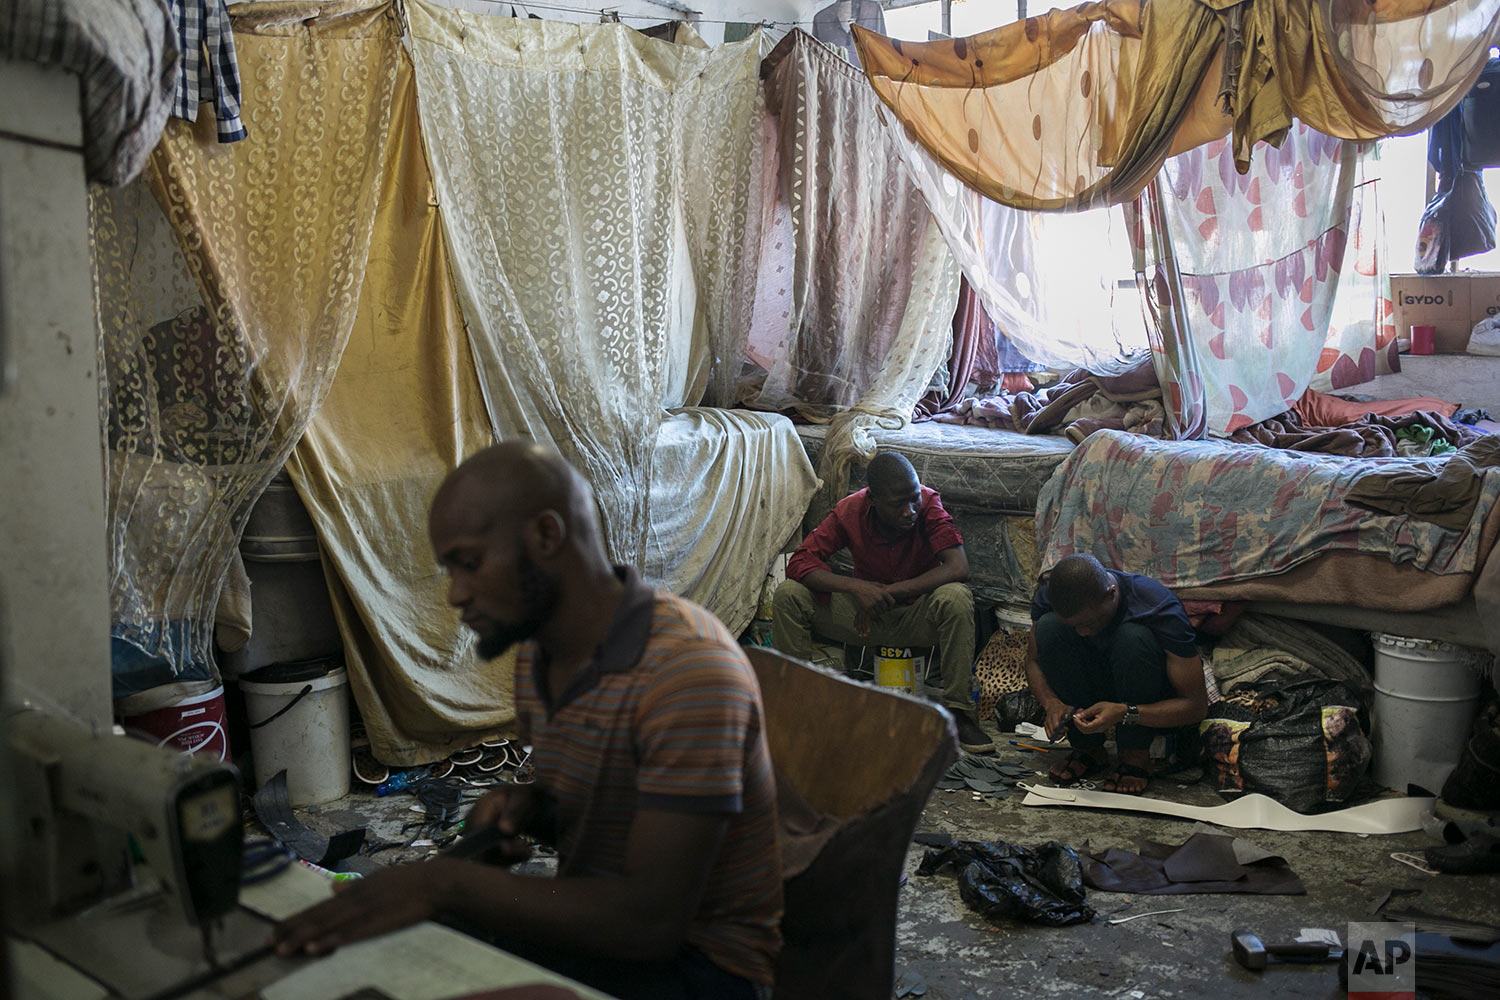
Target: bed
{"x":989,"y":481}
{"x":1217,"y":520}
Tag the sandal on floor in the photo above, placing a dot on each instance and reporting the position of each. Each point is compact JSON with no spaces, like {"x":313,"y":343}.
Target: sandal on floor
{"x":1123,"y":771}
{"x":1091,"y":768}
{"x":366,"y":768}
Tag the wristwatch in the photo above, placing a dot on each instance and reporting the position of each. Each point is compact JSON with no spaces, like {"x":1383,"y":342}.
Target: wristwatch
{"x":1132,"y":715}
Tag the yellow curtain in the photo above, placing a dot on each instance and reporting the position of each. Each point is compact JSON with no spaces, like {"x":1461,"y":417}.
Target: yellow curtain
{"x":1358,"y":69}
{"x":1080,"y":107}
{"x":207,"y":388}
{"x":404,"y":409}
{"x":1060,"y":111}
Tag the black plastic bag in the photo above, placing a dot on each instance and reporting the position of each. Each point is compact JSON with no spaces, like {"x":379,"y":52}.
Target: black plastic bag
{"x":1302,"y":744}
{"x":1016,"y":707}
{"x":1042,"y":884}
{"x":1459,"y":222}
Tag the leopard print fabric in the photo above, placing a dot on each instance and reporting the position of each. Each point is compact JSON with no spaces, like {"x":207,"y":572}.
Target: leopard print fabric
{"x":1001,"y":668}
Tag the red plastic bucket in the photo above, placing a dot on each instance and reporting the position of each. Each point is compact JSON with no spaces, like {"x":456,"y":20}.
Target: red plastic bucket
{"x":192,"y":723}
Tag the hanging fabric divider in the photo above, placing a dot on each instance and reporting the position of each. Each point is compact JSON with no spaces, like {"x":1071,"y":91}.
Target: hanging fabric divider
{"x":225,"y":306}
{"x":403,"y":410}
{"x":855,"y":290}
{"x":594,"y":190}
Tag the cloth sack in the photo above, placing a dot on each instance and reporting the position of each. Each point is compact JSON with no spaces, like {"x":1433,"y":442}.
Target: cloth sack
{"x":1300,"y":743}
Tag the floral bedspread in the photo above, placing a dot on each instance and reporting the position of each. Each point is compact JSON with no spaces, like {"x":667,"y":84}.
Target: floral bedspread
{"x":1194,"y":513}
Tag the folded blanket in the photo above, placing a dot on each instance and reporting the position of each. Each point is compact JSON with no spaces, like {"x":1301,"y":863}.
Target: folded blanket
{"x":1319,"y":409}
{"x":1260,"y":647}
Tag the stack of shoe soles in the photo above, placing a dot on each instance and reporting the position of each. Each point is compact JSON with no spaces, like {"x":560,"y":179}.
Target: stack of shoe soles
{"x":492,"y":761}
{"x":984,"y":775}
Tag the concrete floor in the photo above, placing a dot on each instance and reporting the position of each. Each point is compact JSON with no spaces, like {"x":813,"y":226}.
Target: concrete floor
{"x":1468,"y":380}
{"x":960,"y":954}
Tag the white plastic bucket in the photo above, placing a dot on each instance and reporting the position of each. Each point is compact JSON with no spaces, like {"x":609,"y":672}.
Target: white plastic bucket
{"x":309,"y":740}
{"x":1426,"y":694}
{"x":1013,"y":617}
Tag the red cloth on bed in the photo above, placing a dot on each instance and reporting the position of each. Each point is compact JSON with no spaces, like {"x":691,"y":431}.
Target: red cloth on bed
{"x":1318,"y":409}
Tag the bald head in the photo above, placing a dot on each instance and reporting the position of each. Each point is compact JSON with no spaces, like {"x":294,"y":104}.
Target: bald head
{"x":511,"y":482}
{"x":516,"y":530}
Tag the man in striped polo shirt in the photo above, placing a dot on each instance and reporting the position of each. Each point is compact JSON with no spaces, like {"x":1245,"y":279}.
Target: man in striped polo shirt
{"x":653,"y":779}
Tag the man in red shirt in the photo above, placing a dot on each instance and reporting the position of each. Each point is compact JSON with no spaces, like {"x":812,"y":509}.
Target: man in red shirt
{"x":906,"y":590}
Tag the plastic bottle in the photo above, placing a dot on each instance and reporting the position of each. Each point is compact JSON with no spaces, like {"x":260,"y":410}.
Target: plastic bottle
{"x":400,"y":781}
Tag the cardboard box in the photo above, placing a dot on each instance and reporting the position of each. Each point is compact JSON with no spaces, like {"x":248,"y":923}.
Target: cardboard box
{"x":1452,"y":303}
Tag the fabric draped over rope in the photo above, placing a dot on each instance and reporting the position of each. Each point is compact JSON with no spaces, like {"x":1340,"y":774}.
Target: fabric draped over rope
{"x":1023,"y":267}
{"x":224,"y":305}
{"x":594,"y":187}
{"x":855,"y":289}
{"x":1112,"y":102}
{"x":1080,"y":107}
{"x":325,"y":243}
{"x":403,"y":410}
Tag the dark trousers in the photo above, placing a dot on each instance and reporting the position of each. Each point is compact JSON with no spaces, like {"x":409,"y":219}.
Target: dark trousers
{"x":1126,"y":664}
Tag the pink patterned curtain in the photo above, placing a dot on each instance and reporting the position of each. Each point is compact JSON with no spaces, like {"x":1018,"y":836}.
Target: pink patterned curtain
{"x":1174,"y":353}
{"x":1361,"y":340}
{"x":1255,"y":285}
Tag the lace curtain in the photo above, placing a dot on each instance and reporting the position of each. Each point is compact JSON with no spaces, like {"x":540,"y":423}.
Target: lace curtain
{"x":594,"y":187}
{"x":403,"y":410}
{"x":855,"y":290}
{"x":219,"y":342}
{"x":1265,"y":257}
{"x":1080,"y":107}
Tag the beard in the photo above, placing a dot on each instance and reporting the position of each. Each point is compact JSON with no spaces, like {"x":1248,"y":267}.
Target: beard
{"x":539,"y":598}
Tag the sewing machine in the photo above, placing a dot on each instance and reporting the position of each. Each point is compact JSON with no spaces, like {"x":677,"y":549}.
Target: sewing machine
{"x":82,"y":798}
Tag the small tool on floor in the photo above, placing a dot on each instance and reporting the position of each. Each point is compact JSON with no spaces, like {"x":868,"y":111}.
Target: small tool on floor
{"x":1254,"y":954}
{"x":1137,"y":916}
{"x":477,"y":844}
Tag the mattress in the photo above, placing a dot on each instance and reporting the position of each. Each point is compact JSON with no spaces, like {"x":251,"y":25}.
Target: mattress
{"x":974,"y":468}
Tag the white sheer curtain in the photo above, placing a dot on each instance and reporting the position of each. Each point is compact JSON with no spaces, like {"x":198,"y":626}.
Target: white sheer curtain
{"x":594,"y":186}
{"x":1048,"y":281}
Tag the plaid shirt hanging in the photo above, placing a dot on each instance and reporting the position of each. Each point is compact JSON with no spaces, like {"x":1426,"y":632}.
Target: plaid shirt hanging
{"x":203,"y":31}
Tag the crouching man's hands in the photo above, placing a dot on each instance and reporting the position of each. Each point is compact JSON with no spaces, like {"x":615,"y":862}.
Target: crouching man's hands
{"x":1099,"y":716}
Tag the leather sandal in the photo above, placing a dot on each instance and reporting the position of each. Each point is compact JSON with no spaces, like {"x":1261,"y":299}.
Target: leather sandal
{"x":1122,"y":771}
{"x":1091,"y":769}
